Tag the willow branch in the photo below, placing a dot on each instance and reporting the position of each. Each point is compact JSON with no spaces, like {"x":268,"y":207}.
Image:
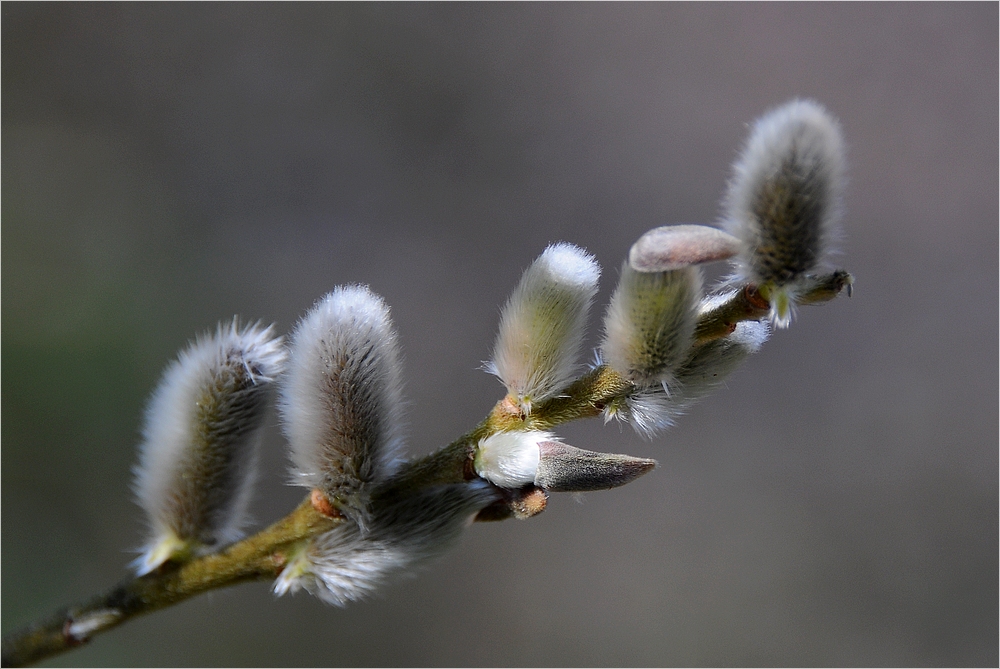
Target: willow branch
{"x":261,"y":556}
{"x":264,"y":555}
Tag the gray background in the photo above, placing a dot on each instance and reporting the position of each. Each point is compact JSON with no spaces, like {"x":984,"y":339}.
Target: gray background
{"x":167,"y":166}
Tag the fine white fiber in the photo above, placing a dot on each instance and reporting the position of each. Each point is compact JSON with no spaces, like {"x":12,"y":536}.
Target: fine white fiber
{"x":510,"y":459}
{"x":543,"y":323}
{"x":784,"y":199}
{"x":347,"y":564}
{"x":708,"y":364}
{"x":342,"y":399}
{"x":199,"y":449}
{"x":651,"y":409}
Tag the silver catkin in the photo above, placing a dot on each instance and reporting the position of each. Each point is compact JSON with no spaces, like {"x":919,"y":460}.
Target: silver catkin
{"x":784,"y":199}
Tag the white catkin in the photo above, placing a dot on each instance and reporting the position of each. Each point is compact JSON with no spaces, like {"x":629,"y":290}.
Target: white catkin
{"x":346,"y":564}
{"x":710,"y":363}
{"x":543,"y":324}
{"x":199,"y":449}
{"x":648,"y":410}
{"x":784,"y":199}
{"x":341,"y":401}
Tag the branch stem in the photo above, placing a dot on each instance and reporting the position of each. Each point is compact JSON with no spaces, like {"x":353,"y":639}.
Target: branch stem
{"x":265,"y":554}
{"x":747,"y":304}
{"x":261,"y":556}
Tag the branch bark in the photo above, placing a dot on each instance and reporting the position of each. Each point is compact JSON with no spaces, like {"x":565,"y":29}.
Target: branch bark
{"x":261,"y":556}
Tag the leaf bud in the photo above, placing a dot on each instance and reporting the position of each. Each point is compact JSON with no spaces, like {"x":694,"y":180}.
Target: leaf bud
{"x":513,"y":460}
{"x":518,"y":503}
{"x":563,"y":468}
{"x":673,"y":247}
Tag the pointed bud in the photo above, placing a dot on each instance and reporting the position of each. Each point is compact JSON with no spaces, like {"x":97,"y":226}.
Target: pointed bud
{"x":543,"y":324}
{"x":199,"y":450}
{"x":563,"y":468}
{"x":672,"y":247}
{"x":341,"y":401}
{"x":784,"y":199}
{"x":649,"y":324}
{"x":519,"y":503}
{"x":528,"y":502}
{"x":513,"y":460}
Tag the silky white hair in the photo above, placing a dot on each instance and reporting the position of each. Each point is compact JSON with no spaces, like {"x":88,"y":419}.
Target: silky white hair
{"x":708,"y":364}
{"x":649,"y":323}
{"x":198,"y":455}
{"x":543,"y":324}
{"x":784,"y":199}
{"x":510,"y":459}
{"x":652,"y":409}
{"x":342,"y":400}
{"x":347,"y":564}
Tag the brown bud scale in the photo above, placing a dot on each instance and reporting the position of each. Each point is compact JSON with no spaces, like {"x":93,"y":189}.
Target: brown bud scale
{"x":673,"y":247}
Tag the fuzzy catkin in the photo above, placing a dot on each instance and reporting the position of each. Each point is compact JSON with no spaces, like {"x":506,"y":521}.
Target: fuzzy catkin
{"x":341,"y":401}
{"x":198,"y":454}
{"x":649,"y":324}
{"x":543,"y":324}
{"x":784,"y":199}
{"x":708,"y":364}
{"x":347,"y":564}
{"x":650,"y":409}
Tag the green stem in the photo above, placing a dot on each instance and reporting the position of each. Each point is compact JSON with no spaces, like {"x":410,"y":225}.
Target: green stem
{"x":584,"y":398}
{"x":261,"y":556}
{"x":747,"y":304}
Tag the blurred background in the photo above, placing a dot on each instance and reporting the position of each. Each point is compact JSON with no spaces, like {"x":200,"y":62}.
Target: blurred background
{"x":167,"y":166}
